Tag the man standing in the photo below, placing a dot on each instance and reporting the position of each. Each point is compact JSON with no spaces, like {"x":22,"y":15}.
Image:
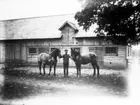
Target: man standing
{"x":66,"y":57}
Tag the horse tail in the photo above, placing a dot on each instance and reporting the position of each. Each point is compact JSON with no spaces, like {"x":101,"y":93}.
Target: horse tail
{"x":94,"y":58}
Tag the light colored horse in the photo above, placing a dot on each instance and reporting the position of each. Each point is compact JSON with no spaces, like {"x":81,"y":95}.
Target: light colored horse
{"x":48,"y":59}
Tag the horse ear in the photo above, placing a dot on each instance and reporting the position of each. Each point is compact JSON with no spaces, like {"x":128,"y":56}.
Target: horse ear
{"x":72,"y":49}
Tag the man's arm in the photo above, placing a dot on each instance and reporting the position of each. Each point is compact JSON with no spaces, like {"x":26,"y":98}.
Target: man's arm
{"x":70,"y":57}
{"x":61,"y":56}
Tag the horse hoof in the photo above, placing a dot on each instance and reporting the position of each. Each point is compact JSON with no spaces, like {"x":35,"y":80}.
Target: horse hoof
{"x":93,"y":74}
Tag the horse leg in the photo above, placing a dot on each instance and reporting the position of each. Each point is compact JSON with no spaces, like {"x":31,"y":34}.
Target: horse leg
{"x":64,"y":69}
{"x":67,"y":69}
{"x":94,"y":73}
{"x":80,"y":70}
{"x":50,"y":70}
{"x":39,"y":64}
{"x":44,"y":68}
{"x":67,"y":72}
{"x":97,"y":70}
{"x":55,"y":69}
{"x":77,"y":70}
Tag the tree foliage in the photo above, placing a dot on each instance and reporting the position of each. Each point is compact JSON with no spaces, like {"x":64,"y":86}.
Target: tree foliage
{"x":117,"y":20}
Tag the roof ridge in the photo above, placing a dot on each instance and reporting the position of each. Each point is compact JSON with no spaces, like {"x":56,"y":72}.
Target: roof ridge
{"x":38,"y":17}
{"x":70,"y":23}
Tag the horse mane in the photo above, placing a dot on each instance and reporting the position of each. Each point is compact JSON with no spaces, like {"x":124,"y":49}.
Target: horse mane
{"x":53,"y":53}
{"x":77,"y":53}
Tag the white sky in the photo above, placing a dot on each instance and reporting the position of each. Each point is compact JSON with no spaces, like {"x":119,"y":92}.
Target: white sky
{"x":29,"y":8}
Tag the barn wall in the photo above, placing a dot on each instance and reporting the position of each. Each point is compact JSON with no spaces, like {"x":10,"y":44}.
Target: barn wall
{"x":2,"y":44}
{"x":108,"y":61}
{"x":91,"y":41}
{"x":118,"y":61}
{"x":2,"y":30}
{"x":67,"y":35}
{"x":19,"y":50}
{"x":23,"y":52}
{"x":2,"y":54}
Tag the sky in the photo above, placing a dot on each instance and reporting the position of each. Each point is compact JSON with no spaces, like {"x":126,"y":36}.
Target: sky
{"x":10,"y":9}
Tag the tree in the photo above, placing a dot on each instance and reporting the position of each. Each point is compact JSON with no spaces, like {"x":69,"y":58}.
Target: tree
{"x":117,"y":20}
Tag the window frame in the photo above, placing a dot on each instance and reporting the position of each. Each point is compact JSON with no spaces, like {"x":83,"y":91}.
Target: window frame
{"x":31,"y":52}
{"x":111,"y":51}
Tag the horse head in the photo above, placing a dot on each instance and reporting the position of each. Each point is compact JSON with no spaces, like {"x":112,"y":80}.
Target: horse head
{"x":56,"y":52}
{"x":74,"y":54}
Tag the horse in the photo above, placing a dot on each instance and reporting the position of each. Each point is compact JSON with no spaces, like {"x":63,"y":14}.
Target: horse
{"x":84,"y":59}
{"x":48,"y":59}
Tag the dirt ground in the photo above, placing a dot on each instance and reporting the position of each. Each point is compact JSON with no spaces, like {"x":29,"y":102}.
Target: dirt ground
{"x":22,"y":84}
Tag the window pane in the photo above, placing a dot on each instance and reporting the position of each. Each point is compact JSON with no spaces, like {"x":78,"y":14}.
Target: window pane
{"x":32,"y":50}
{"x":111,"y":50}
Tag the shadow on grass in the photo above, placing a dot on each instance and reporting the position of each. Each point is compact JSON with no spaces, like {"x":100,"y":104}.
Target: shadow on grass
{"x":107,"y":80}
{"x":104,"y":79}
{"x":15,"y":88}
{"x":112,"y":81}
{"x":26,"y":74}
{"x":115,"y":84}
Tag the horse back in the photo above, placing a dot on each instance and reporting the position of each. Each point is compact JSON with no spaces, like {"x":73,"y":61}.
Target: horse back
{"x":43,"y":57}
{"x":89,"y":55}
{"x":87,"y":58}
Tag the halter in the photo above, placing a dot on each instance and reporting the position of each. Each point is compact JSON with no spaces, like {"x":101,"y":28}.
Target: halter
{"x":75,"y":54}
{"x":53,"y":54}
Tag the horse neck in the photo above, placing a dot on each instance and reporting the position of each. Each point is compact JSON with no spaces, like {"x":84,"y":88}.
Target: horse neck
{"x":53,"y":54}
{"x":79,"y":56}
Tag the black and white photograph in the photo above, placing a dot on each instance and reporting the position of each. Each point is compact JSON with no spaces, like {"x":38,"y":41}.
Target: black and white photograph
{"x":73,"y":52}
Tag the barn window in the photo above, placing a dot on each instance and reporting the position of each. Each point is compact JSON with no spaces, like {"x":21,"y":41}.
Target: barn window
{"x":111,"y":51}
{"x":32,"y":50}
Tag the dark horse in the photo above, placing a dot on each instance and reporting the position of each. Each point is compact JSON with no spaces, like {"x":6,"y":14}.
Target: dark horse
{"x":48,"y":59}
{"x":84,"y":59}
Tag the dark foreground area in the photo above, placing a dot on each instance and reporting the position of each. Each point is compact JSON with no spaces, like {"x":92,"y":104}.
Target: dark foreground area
{"x":26,"y":83}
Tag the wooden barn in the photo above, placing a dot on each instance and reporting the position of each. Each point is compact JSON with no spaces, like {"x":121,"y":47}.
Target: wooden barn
{"x":21,"y":40}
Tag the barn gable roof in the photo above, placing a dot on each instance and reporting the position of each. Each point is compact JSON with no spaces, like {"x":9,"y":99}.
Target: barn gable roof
{"x":41,"y":28}
{"x":70,"y":24}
